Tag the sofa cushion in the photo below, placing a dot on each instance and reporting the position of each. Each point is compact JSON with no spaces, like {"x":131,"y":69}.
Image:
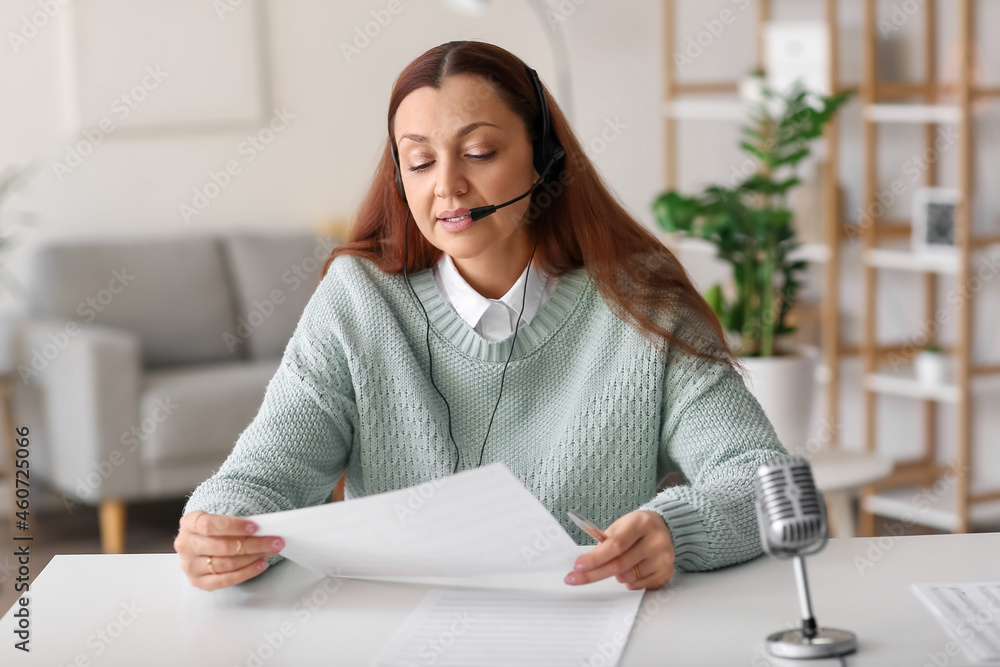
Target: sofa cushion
{"x":173,"y":293}
{"x":273,"y":278}
{"x":196,"y":414}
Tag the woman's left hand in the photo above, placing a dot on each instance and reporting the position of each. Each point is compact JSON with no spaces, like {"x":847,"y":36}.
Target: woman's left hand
{"x":637,"y":542}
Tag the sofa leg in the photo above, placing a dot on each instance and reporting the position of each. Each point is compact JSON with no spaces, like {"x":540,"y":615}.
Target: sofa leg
{"x":111,"y":516}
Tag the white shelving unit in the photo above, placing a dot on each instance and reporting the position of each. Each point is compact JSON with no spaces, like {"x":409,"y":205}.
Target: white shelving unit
{"x":908,"y":386}
{"x":904,"y":260}
{"x":913,"y":113}
{"x":935,"y":507}
{"x":951,"y":504}
{"x":705,"y":110}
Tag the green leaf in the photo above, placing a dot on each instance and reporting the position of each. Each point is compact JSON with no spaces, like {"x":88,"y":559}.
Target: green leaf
{"x":792,"y":158}
{"x":754,"y":151}
{"x":716,"y":300}
{"x":675,"y":212}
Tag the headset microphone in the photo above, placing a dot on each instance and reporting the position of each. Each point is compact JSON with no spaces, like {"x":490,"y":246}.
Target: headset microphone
{"x":481,"y":212}
{"x":791,"y":515}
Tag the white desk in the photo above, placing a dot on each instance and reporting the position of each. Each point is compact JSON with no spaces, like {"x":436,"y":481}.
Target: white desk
{"x":714,"y":618}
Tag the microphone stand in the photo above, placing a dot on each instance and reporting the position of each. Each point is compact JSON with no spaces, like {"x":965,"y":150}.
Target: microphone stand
{"x":808,"y":620}
{"x":809,"y":641}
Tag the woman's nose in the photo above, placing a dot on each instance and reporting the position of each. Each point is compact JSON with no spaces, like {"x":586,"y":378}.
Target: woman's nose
{"x":450,"y":178}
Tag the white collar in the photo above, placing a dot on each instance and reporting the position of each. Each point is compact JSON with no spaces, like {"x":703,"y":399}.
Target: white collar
{"x":471,"y":305}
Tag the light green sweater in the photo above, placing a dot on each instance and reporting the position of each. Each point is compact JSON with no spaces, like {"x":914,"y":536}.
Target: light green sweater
{"x":592,"y":415}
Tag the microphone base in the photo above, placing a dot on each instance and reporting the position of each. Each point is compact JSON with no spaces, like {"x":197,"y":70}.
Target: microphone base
{"x":828,"y":643}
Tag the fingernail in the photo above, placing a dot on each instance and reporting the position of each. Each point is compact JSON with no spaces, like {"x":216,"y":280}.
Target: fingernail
{"x":262,"y":566}
{"x":277,"y":544}
{"x":251,"y":528}
{"x":570,"y":579}
{"x":579,"y":567}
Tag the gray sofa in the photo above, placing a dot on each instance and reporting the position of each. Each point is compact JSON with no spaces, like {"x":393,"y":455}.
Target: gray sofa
{"x":142,"y":361}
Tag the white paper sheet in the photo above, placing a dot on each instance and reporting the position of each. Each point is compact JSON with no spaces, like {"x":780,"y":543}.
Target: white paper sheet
{"x":503,"y":628}
{"x":969,"y":612}
{"x":474,"y":522}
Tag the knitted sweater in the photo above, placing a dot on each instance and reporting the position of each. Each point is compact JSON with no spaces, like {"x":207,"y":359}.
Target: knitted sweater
{"x":592,"y":416}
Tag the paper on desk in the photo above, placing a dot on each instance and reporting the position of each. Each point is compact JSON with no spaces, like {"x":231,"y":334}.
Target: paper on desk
{"x":969,"y":612}
{"x":474,"y":522}
{"x":460,"y":628}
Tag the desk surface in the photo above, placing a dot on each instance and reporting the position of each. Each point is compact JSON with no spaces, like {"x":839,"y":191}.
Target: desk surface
{"x":140,"y":610}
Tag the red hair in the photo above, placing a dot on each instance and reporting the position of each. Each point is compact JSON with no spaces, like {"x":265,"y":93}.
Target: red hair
{"x":582,"y":223}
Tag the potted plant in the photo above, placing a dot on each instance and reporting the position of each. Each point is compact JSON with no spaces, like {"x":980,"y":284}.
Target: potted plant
{"x":750,"y":223}
{"x":930,"y":365}
{"x":11,"y":179}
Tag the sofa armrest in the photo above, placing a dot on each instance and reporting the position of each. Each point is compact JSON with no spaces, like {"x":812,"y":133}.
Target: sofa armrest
{"x":87,"y":380}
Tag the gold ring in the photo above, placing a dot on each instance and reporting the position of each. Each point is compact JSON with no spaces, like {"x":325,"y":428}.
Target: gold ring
{"x":635,"y":571}
{"x":239,"y":546}
{"x":210,"y":568}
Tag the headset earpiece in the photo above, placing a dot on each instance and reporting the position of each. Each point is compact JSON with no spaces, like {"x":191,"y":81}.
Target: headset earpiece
{"x":399,"y":175}
{"x":546,"y":147}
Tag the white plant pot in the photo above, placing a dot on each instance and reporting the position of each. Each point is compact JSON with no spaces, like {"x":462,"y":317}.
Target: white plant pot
{"x":931,"y":368}
{"x":784,"y":386}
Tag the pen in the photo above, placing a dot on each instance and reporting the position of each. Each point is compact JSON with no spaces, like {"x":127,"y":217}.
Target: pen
{"x":587,"y":526}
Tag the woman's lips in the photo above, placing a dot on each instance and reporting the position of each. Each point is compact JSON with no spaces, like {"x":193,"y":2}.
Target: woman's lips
{"x":453,"y":225}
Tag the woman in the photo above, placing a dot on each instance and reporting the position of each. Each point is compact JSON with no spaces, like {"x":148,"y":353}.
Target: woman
{"x":555,"y":335}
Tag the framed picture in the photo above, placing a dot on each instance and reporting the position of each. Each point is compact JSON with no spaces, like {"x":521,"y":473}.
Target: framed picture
{"x":147,"y":68}
{"x":797,"y":51}
{"x":934,"y":212}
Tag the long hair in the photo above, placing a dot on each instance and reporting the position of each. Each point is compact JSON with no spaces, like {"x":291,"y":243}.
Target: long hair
{"x":582,"y":222}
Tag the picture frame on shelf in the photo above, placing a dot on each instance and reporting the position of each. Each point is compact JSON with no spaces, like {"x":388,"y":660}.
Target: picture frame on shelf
{"x":934,"y":214}
{"x":797,"y":51}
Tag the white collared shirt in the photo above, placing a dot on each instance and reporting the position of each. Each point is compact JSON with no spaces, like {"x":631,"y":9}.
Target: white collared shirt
{"x":493,"y":319}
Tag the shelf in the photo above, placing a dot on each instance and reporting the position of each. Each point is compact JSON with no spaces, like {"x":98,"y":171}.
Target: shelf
{"x":912,"y":113}
{"x":908,"y":386}
{"x":905,"y":260}
{"x":896,"y":385}
{"x":933,"y":507}
{"x":705,"y":110}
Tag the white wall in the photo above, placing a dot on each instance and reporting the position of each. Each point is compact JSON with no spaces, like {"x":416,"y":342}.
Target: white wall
{"x":319,"y":167}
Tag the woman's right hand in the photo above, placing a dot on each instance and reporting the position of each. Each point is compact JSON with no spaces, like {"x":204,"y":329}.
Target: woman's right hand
{"x":218,"y":550}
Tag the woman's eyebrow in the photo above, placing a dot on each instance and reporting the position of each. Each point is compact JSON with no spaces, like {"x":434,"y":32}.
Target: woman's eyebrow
{"x":419,"y":138}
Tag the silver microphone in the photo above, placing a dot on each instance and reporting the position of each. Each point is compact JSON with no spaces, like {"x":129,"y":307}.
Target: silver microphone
{"x":791,"y":515}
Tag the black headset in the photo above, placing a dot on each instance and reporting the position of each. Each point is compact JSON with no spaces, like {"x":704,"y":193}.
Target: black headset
{"x":546,"y":152}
